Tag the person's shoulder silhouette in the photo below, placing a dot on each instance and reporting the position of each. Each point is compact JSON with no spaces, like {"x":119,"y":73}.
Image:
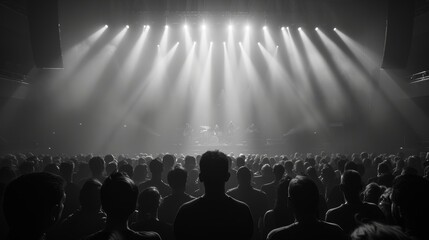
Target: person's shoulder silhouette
{"x":215,"y":215}
{"x":32,"y":204}
{"x":118,"y":199}
{"x":304,"y":199}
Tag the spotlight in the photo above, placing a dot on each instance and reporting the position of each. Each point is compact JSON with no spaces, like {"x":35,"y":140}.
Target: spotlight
{"x":230,"y":27}
{"x":287,"y":28}
{"x":259,"y":43}
{"x":127,"y":26}
{"x":157,"y":45}
{"x":211,"y":43}
{"x":106,"y":26}
{"x":317,"y":29}
{"x":283,"y":28}
{"x":223,"y":43}
{"x":277,"y":46}
{"x":335,"y":29}
{"x":185,"y":26}
{"x":203,"y":27}
{"x":166,"y":26}
{"x":247,"y":27}
{"x":147,"y":26}
{"x":144,"y":26}
{"x":195,"y":42}
{"x":299,"y":29}
{"x":264,"y":27}
{"x":177,"y":43}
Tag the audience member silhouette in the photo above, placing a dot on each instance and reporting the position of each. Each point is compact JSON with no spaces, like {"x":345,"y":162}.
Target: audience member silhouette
{"x":215,"y":215}
{"x":128,"y":169}
{"x":32,"y":204}
{"x":6,"y":176}
{"x":304,"y":199}
{"x":111,"y":168}
{"x":118,"y":196}
{"x":289,"y":169}
{"x":71,"y":189}
{"x":86,"y":220}
{"x":384,"y":176}
{"x":192,"y":182}
{"x":168,"y":161}
{"x":255,"y":199}
{"x":96,"y":165}
{"x":354,"y":211}
{"x":265,"y":177}
{"x":232,"y":181}
{"x":378,"y":231}
{"x":281,"y":214}
{"x":170,"y":205}
{"x":140,"y":174}
{"x":147,"y":218}
{"x":372,"y":193}
{"x":271,"y":188}
{"x":156,"y":168}
{"x":410,"y":206}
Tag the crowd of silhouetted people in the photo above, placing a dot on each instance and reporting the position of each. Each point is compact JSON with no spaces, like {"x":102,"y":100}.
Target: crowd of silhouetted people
{"x":215,"y":196}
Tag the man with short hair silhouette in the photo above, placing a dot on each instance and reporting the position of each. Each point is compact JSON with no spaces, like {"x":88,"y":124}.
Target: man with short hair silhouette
{"x":156,"y":168}
{"x":118,"y":199}
{"x":304,"y":199}
{"x":96,"y":165}
{"x":254,"y":198}
{"x":349,"y":214}
{"x":170,"y":205}
{"x":32,"y":204}
{"x":147,"y":217}
{"x":86,"y":220}
{"x":214,"y":215}
{"x":271,"y":188}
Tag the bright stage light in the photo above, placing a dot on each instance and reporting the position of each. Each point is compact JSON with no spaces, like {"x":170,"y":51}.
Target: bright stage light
{"x":203,"y":27}
{"x":230,"y":27}
{"x":299,"y":29}
{"x":127,"y":26}
{"x":157,"y":45}
{"x":247,"y":27}
{"x":147,"y":26}
{"x":106,"y":26}
{"x":264,"y":27}
{"x":283,"y":28}
{"x":177,"y":43}
{"x":224,"y":43}
{"x":195,"y":42}
{"x":166,"y":26}
{"x":239,"y":43}
{"x":259,"y":43}
{"x":335,"y":29}
{"x":287,"y":28}
{"x":277,"y":46}
{"x":317,"y":29}
{"x":211,"y":43}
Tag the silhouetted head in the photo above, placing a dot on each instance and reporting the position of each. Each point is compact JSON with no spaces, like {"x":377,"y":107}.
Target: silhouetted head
{"x":383,"y":168}
{"x":96,"y":165}
{"x":66,"y":170}
{"x":118,"y":196}
{"x":378,"y":231}
{"x":156,"y":167}
{"x":128,"y":169}
{"x":372,"y":193}
{"x":52,"y":168}
{"x":89,"y":196}
{"x":410,"y":199}
{"x":214,"y":168}
{"x":240,"y":161}
{"x":288,"y":166}
{"x":111,"y":167}
{"x":351,"y":183}
{"x":282,"y":194}
{"x":244,"y":176}
{"x":168,"y":162}
{"x":140,"y":172}
{"x":109,"y":158}
{"x":33,"y":202}
{"x":278,"y":171}
{"x":266,"y":170}
{"x":149,"y":200}
{"x":303,"y":196}
{"x":177,"y":179}
{"x":190,"y":163}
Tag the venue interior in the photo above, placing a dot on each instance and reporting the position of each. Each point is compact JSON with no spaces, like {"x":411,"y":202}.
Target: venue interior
{"x":184,"y":76}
